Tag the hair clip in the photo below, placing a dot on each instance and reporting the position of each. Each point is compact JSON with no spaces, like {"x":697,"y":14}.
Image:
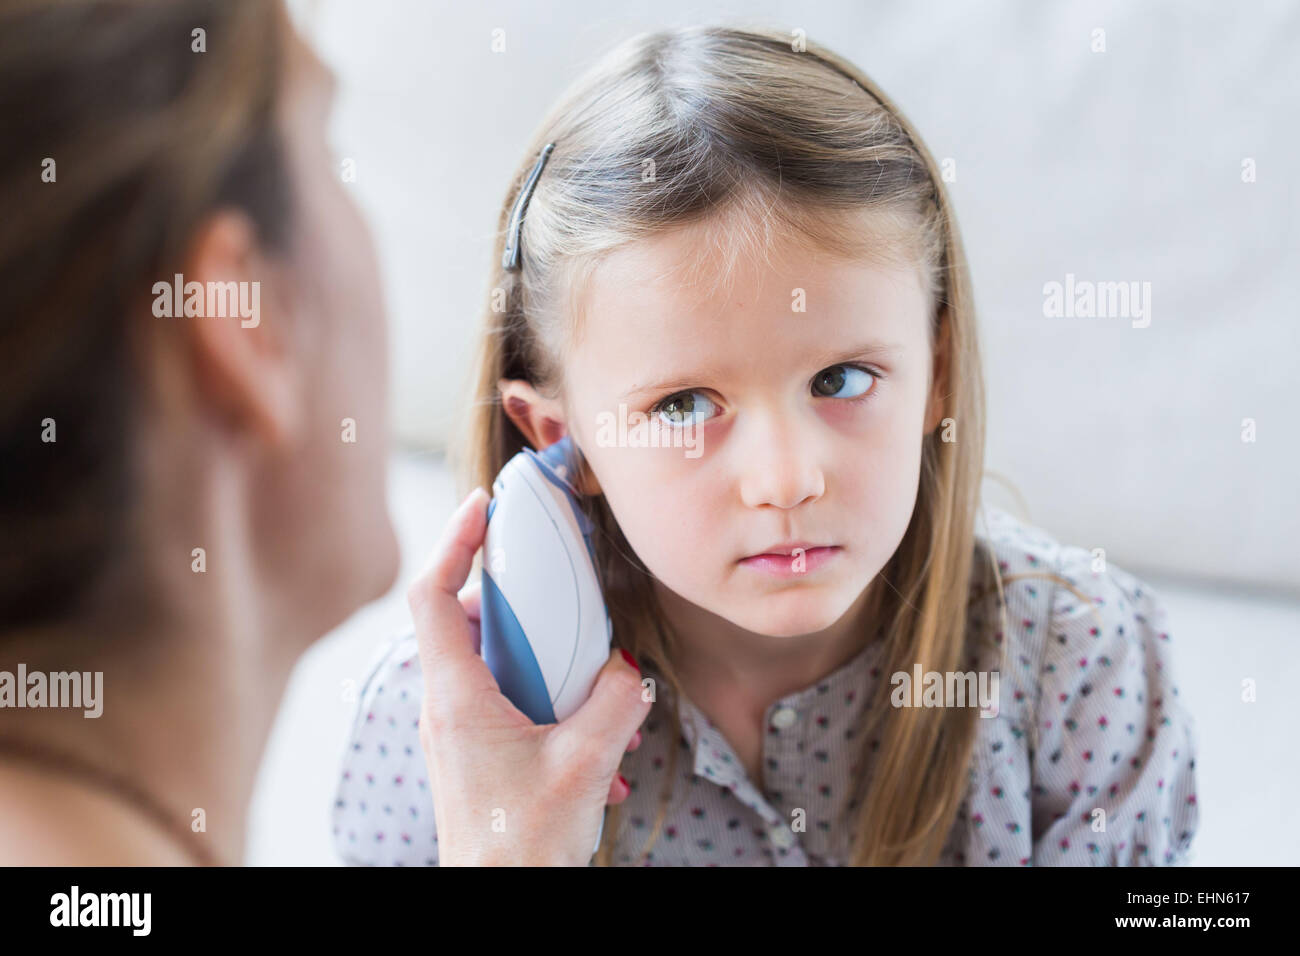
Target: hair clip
{"x":510,"y":257}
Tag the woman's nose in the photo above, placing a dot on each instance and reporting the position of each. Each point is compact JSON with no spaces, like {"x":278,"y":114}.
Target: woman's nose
{"x":779,"y":463}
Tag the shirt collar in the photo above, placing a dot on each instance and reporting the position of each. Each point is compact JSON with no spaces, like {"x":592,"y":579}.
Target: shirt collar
{"x":713,"y":757}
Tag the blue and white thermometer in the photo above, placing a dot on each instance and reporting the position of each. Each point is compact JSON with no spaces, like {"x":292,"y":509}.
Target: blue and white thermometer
{"x":545,"y":630}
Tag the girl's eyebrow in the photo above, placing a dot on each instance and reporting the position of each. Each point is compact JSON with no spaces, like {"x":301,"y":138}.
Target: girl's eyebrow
{"x":873,"y":349}
{"x":868,"y":350}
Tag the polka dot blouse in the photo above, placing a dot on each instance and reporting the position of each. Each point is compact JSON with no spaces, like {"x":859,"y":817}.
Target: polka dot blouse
{"x":1088,"y":760}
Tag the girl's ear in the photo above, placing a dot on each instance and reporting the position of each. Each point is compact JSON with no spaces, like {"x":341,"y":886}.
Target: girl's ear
{"x":540,"y":420}
{"x":939,"y":373}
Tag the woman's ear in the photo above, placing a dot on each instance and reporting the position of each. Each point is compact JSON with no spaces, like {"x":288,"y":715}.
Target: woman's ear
{"x":244,"y":367}
{"x":542,"y":422}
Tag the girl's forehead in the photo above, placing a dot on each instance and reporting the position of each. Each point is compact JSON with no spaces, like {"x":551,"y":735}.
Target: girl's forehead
{"x":647,"y":318}
{"x":746,"y":247}
{"x":681,"y":278}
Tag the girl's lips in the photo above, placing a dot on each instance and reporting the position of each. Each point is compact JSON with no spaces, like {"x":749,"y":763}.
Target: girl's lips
{"x":792,"y":566}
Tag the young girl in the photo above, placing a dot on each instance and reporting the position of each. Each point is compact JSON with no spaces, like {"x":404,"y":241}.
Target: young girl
{"x":743,"y":237}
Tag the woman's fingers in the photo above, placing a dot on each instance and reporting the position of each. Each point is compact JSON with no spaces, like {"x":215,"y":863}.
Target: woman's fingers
{"x":471,"y":599}
{"x":618,"y":790}
{"x":604,"y":725}
{"x":445,"y":638}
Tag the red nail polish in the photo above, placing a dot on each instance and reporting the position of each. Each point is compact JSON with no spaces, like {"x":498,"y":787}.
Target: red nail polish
{"x":629,"y":658}
{"x":626,"y":785}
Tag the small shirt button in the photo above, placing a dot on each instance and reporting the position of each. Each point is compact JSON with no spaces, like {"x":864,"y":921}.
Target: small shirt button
{"x":783,"y":717}
{"x":782,"y":836}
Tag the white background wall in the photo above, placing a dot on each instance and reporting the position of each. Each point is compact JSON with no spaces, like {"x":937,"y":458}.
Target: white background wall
{"x":1123,"y":165}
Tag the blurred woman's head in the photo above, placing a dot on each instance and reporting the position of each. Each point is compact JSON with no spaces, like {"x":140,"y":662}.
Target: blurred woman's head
{"x":168,"y":451}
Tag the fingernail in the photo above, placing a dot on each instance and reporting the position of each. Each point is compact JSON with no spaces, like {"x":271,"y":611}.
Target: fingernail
{"x":629,"y":658}
{"x":626,"y":786}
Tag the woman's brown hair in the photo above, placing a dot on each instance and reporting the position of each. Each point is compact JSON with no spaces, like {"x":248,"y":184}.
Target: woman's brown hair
{"x":766,"y":129}
{"x":124,"y":123}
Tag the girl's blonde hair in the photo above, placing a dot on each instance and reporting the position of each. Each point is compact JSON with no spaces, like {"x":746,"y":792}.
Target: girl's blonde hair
{"x":747,"y":131}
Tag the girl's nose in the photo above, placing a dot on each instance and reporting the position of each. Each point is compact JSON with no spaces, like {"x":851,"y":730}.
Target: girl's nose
{"x":779,"y":463}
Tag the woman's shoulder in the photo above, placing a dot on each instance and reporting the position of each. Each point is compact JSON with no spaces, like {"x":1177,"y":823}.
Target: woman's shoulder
{"x":50,"y":819}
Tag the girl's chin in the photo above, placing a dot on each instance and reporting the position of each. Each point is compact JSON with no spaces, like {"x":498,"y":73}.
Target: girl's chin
{"x":787,"y":615}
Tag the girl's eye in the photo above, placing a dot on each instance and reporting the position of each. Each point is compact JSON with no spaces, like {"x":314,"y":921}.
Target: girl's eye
{"x":675,"y":410}
{"x":832,"y":382}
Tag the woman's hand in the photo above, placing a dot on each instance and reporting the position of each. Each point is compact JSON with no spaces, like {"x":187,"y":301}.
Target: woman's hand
{"x":505,"y":790}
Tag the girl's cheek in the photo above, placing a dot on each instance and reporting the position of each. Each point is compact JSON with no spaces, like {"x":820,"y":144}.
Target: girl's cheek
{"x":855,"y":416}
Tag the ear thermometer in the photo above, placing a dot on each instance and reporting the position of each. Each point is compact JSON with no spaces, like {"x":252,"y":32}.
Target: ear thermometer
{"x":545,"y":631}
